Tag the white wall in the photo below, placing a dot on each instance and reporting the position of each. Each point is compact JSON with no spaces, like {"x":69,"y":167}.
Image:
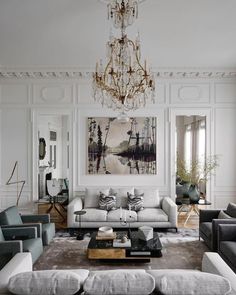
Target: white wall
{"x":21,"y":98}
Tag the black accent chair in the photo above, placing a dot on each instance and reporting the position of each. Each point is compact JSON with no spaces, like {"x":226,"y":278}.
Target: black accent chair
{"x":209,"y":221}
{"x":227,"y":244}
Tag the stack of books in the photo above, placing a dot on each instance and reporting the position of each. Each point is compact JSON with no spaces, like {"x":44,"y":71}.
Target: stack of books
{"x":105,"y":233}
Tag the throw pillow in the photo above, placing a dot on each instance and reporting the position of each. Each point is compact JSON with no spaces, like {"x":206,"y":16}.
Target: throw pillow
{"x":48,"y":282}
{"x":116,"y":282}
{"x":223,"y":215}
{"x":107,"y":202}
{"x":135,"y":202}
{"x":170,"y":281}
{"x":91,"y":198}
{"x":231,"y":210}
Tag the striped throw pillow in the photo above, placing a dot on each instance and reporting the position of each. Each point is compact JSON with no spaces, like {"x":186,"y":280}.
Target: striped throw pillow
{"x":135,"y":202}
{"x":107,"y":202}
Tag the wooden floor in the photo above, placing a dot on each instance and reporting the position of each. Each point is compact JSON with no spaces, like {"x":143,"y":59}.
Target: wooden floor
{"x":191,"y":223}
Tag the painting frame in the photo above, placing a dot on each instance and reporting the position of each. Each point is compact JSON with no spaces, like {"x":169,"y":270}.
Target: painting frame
{"x":121,"y":148}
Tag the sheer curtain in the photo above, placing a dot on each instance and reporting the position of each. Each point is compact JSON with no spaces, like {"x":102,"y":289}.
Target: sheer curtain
{"x":195,"y":142}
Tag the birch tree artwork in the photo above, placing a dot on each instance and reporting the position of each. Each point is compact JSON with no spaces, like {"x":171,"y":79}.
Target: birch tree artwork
{"x":122,"y":148}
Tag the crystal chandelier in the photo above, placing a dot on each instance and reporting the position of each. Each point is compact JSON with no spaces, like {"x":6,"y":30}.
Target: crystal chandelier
{"x":124,"y":83}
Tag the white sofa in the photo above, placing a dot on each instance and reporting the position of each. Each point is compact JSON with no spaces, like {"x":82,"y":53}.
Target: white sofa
{"x":158,"y":212}
{"x":212,"y":263}
{"x":21,"y":262}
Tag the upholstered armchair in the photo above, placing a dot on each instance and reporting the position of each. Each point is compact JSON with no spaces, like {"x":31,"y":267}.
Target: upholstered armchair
{"x":19,"y":239}
{"x":227,"y":244}
{"x":209,"y":221}
{"x":45,"y":229}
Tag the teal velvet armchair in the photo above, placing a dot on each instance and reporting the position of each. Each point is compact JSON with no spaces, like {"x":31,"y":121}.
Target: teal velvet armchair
{"x":45,"y":229}
{"x":19,"y":239}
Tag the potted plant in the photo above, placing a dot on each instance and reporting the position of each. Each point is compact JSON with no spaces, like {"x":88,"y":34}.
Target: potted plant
{"x":194,"y":173}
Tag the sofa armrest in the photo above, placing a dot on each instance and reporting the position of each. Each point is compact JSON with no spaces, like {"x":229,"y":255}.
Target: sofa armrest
{"x":74,"y":205}
{"x":215,"y":229}
{"x":21,"y":262}
{"x":19,"y":233}
{"x":43,"y":218}
{"x":206,"y":215}
{"x":213,"y":263}
{"x":11,"y":247}
{"x":227,"y":232}
{"x":170,"y":208}
{"x":37,"y":225}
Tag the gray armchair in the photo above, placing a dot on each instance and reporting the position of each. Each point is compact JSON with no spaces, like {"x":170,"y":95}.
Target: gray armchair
{"x":209,"y":221}
{"x":19,"y":239}
{"x":227,"y":244}
{"x":45,"y":229}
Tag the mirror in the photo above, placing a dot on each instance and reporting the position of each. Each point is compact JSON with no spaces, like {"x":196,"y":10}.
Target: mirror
{"x":190,"y":145}
{"x":42,"y":148}
{"x":53,"y":163}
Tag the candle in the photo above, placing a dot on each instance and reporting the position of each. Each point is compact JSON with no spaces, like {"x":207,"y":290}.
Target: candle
{"x":120,"y":213}
{"x":129,"y":211}
{"x":125,"y":217}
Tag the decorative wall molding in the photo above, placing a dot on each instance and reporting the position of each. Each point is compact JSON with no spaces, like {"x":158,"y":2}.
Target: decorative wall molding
{"x":78,"y":73}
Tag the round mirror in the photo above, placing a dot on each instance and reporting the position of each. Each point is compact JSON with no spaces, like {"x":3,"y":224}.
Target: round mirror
{"x":42,"y":148}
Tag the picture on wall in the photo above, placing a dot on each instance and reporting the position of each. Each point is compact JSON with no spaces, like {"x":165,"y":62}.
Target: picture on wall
{"x":121,"y":148}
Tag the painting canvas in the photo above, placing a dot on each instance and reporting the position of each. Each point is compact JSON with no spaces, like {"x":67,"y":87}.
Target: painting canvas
{"x":121,"y":148}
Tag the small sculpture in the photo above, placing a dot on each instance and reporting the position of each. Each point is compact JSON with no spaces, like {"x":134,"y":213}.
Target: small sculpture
{"x":145,"y":233}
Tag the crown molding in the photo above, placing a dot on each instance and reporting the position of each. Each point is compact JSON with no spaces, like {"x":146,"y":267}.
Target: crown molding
{"x":86,"y":73}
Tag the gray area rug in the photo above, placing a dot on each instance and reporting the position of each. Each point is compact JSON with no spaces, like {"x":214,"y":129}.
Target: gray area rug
{"x":180,"y":250}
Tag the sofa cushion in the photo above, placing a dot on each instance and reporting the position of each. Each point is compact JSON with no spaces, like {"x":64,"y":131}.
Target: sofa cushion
{"x":107,"y":202}
{"x":152,"y":214}
{"x":223,"y":215}
{"x":121,"y":195}
{"x":151,"y":198}
{"x":91,"y":198}
{"x":117,"y":282}
{"x":114,"y":215}
{"x":228,"y":249}
{"x":135,"y":202}
{"x":93,"y":214}
{"x":188,"y":282}
{"x":48,"y":282}
{"x":206,"y":228}
{"x":231,"y":210}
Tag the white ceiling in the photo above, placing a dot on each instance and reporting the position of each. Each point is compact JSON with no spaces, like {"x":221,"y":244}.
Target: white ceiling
{"x":174,"y":33}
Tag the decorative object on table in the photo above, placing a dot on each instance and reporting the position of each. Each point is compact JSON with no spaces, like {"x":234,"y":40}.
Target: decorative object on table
{"x":18,"y":192}
{"x":123,"y":83}
{"x":126,"y":220}
{"x":145,"y":233}
{"x":105,"y":233}
{"x":128,"y":148}
{"x":124,"y":243}
{"x":80,"y":235}
{"x":190,"y":176}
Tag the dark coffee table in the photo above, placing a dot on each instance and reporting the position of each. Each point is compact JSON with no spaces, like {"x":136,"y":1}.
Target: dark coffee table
{"x":139,"y":250}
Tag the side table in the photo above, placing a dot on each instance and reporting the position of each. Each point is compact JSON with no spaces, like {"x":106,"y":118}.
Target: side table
{"x":78,"y":214}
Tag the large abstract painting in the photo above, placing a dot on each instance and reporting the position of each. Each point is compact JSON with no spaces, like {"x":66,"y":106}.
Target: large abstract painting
{"x":121,"y":148}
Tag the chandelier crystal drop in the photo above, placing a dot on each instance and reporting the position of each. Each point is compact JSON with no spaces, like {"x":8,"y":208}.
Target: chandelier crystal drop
{"x":123,"y":83}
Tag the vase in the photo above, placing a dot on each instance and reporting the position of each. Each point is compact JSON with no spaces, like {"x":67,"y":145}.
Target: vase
{"x":194,"y":194}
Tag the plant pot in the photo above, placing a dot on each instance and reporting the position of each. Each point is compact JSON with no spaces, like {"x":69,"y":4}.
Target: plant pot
{"x":194,"y":194}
